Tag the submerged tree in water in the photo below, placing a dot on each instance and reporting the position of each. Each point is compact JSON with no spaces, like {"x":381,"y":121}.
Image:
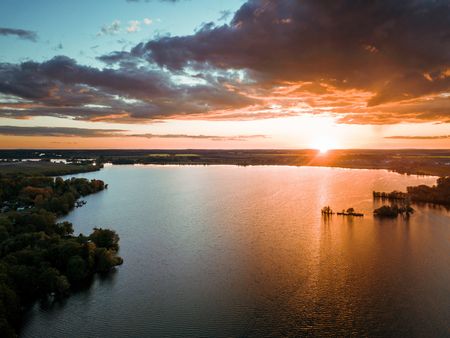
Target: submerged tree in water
{"x":393,"y":211}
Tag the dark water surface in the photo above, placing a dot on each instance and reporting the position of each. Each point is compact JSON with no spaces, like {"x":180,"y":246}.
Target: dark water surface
{"x":243,"y":251}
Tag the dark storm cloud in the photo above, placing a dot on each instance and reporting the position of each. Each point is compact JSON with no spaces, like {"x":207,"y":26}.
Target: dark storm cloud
{"x":20,"y":33}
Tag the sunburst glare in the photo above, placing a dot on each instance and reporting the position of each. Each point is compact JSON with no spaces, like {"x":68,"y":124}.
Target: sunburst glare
{"x":324,"y":143}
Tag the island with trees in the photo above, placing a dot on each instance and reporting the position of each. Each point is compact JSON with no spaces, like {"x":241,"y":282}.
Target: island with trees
{"x":350,"y":212}
{"x":393,"y":211}
{"x":327,"y":211}
{"x":41,"y":258}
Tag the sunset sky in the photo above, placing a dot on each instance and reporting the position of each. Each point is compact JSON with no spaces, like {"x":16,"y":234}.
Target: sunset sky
{"x":225,"y":74}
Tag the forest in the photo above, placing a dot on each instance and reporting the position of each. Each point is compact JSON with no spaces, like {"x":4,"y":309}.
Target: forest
{"x":41,"y":258}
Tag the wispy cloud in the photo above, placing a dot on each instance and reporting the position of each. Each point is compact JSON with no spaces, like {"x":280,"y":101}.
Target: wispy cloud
{"x":110,"y":29}
{"x":88,"y":132}
{"x":57,"y":131}
{"x":224,"y":15}
{"x":207,"y":137}
{"x":431,"y":137}
{"x":134,"y":26}
{"x":115,"y":27}
{"x":20,"y":33}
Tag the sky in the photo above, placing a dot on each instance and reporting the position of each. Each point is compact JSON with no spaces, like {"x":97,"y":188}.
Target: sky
{"x":224,"y":74}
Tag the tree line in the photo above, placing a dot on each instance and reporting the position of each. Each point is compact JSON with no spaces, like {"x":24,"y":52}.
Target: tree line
{"x":436,"y":194}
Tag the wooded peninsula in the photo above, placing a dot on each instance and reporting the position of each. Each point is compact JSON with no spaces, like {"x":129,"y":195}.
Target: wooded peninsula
{"x":41,"y":258}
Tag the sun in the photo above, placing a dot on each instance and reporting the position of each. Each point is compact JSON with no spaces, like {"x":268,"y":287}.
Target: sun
{"x":323,"y":144}
{"x":323,"y":149}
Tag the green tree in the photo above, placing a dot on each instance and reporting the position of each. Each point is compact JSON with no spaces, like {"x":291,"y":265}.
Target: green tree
{"x":105,"y":260}
{"x":105,"y":238}
{"x":76,"y":270}
{"x":51,"y":281}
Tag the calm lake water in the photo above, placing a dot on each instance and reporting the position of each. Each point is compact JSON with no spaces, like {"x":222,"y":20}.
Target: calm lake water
{"x":243,"y":251}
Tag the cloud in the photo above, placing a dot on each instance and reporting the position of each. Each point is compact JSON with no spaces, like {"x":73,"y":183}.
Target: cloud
{"x":20,"y":33}
{"x":224,"y":15}
{"x":438,"y":137}
{"x":292,"y":43}
{"x":87,"y":132}
{"x":57,"y":131}
{"x":360,"y":62}
{"x":278,"y":41}
{"x":203,"y":137}
{"x":110,"y":29}
{"x":61,"y":87}
{"x":147,"y":21}
{"x":134,"y":26}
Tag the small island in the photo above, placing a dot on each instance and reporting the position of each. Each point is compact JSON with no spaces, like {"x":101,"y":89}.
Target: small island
{"x":327,"y":211}
{"x":394,"y":211}
{"x":349,"y":212}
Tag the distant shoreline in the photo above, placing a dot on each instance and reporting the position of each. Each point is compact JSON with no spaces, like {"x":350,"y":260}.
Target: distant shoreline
{"x":406,"y":161}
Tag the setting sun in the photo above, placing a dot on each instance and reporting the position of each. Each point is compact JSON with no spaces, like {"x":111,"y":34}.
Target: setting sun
{"x":323,"y":144}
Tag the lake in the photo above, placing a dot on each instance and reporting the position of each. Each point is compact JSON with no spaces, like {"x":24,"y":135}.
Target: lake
{"x":233,"y":251}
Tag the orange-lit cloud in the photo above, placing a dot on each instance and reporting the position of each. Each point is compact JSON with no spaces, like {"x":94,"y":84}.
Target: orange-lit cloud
{"x":406,"y":137}
{"x":102,"y":133}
